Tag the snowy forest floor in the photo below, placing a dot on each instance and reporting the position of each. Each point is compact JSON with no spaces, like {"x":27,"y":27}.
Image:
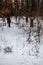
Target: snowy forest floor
{"x":14,"y":47}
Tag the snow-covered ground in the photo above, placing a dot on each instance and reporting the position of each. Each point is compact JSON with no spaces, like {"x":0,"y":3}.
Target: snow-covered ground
{"x":23,"y":52}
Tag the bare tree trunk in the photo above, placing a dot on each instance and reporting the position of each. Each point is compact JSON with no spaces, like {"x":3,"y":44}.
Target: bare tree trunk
{"x":8,"y":21}
{"x":31,"y":22}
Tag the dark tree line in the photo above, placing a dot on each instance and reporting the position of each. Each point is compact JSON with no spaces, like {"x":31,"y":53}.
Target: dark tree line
{"x":28,"y":8}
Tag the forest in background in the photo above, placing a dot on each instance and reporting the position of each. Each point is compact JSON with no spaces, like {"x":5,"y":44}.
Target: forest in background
{"x":27,"y":8}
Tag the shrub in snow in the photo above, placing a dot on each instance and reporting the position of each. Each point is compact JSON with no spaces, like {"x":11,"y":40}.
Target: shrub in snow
{"x":8,"y":49}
